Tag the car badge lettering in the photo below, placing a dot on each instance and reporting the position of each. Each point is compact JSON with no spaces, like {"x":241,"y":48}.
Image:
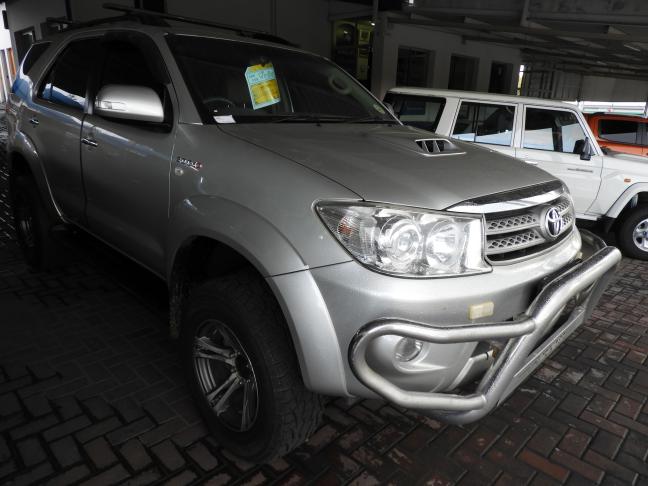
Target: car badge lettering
{"x":191,"y":164}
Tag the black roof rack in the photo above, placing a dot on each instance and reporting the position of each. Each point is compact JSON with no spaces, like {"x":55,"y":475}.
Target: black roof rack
{"x":149,"y":17}
{"x":157,"y":18}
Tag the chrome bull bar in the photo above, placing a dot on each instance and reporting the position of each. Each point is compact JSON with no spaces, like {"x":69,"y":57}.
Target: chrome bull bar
{"x":520,"y":357}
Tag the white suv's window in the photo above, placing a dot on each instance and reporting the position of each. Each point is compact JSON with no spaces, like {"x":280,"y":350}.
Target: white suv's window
{"x":554,"y":130}
{"x":485,"y":123}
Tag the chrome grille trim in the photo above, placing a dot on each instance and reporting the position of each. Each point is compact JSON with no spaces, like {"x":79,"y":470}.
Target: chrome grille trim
{"x":515,"y":227}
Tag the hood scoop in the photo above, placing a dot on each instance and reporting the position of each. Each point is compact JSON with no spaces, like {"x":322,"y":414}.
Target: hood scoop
{"x":438,"y":146}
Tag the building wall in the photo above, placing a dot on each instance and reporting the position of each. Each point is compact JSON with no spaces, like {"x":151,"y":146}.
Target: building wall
{"x":444,"y":46}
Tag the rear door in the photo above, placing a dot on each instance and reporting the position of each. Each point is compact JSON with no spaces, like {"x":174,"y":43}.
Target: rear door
{"x":53,"y":122}
{"x":552,"y":139}
{"x":487,"y":123}
{"x":126,"y":163}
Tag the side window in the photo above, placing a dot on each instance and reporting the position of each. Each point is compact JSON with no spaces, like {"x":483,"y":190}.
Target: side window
{"x":33,"y":55}
{"x":66,"y":82}
{"x":418,"y":111}
{"x":485,"y":123}
{"x":554,"y":130}
{"x":126,"y":64}
{"x":622,"y":131}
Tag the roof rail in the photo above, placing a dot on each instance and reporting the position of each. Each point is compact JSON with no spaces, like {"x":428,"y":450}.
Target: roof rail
{"x":145,"y":16}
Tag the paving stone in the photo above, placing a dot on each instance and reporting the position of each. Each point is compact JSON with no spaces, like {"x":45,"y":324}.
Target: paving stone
{"x":203,"y":457}
{"x":114,"y":475}
{"x":168,"y":455}
{"x":100,"y":453}
{"x":37,"y":405}
{"x":98,"y":429}
{"x":65,"y":451}
{"x":66,"y":428}
{"x":9,"y":404}
{"x":98,"y":408}
{"x":70,"y":476}
{"x":31,"y":452}
{"x":135,"y":454}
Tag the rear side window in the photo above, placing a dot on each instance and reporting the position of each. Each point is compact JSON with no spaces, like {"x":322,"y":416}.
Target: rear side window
{"x":485,"y":123}
{"x":67,"y":80}
{"x":33,"y":55}
{"x":554,"y":130}
{"x":419,"y":111}
{"x":622,"y":131}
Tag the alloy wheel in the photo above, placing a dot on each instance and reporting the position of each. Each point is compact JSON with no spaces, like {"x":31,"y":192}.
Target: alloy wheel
{"x":226,"y":376}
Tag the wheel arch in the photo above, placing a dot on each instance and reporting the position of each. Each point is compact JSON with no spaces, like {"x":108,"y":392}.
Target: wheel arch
{"x":632,"y":197}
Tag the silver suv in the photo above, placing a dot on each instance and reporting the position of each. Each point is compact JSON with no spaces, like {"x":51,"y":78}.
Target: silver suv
{"x":312,"y":244}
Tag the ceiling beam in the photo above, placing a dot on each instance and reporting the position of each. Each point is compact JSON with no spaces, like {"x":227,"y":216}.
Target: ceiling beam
{"x":552,"y":33}
{"x":590,"y":18}
{"x":525,"y":43}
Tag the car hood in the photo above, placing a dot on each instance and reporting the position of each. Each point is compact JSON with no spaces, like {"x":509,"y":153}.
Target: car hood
{"x":384,"y":163}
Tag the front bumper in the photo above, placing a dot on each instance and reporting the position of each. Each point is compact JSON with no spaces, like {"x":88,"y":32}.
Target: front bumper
{"x":581,"y":285}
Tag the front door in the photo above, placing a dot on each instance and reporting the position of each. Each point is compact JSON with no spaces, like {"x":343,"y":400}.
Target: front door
{"x":126,"y":163}
{"x":53,"y":123}
{"x":553,"y":140}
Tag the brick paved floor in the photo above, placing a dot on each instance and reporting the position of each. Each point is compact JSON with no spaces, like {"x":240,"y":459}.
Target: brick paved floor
{"x":90,"y":391}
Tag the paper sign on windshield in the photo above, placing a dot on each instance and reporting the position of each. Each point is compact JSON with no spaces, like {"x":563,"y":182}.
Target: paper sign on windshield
{"x":262,"y":83}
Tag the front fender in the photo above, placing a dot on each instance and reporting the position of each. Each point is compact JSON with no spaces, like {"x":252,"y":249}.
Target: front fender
{"x":236,"y":226}
{"x":625,"y":198}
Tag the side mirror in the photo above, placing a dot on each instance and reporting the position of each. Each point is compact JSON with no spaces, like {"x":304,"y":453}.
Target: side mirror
{"x":587,"y":151}
{"x":126,"y":102}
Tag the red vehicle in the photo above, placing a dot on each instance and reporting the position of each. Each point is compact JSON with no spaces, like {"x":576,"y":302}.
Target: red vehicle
{"x":622,"y":133}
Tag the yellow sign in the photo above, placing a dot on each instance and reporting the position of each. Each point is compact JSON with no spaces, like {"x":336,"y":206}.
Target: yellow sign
{"x":262,"y":84}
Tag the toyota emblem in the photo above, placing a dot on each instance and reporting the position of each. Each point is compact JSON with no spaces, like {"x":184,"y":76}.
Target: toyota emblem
{"x":553,"y":223}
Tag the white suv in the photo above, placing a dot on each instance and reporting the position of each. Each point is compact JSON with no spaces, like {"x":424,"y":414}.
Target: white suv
{"x":609,"y":187}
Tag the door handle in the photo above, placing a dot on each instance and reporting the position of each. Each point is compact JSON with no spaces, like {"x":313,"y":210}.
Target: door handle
{"x":34,"y":121}
{"x":578,"y":169}
{"x":531,"y":162}
{"x":89,"y":141}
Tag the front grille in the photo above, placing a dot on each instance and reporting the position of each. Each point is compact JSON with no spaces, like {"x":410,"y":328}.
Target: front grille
{"x":523,"y":233}
{"x":516,"y":223}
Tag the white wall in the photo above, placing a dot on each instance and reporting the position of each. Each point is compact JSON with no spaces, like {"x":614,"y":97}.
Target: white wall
{"x":444,"y":46}
{"x":30,"y":13}
{"x":612,"y":89}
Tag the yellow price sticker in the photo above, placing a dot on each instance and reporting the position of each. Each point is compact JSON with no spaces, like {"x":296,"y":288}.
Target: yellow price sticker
{"x":262,"y":84}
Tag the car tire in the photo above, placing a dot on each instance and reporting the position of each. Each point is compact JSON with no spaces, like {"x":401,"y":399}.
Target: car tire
{"x":632,"y":234}
{"x":233,"y":328}
{"x":33,"y":225}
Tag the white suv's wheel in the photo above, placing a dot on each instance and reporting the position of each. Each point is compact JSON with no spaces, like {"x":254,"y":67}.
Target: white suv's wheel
{"x":243,"y":371}
{"x":632,"y":234}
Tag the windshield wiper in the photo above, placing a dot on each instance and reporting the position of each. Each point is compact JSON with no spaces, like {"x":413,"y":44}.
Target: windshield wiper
{"x":371,"y":119}
{"x":306,"y":117}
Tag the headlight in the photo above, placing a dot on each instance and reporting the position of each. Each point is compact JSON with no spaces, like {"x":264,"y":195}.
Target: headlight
{"x":407,"y":242}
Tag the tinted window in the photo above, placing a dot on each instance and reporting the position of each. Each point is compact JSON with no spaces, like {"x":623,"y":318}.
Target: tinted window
{"x":125,"y":63}
{"x":34,"y":54}
{"x":484,"y":123}
{"x":558,"y":131}
{"x":419,"y":111}
{"x":250,"y":83}
{"x":66,"y":82}
{"x":619,"y":130}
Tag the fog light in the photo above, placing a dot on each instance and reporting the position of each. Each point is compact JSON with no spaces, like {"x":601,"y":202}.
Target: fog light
{"x":407,"y":349}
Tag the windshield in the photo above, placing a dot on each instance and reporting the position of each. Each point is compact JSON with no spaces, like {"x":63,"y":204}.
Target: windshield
{"x":236,"y":82}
